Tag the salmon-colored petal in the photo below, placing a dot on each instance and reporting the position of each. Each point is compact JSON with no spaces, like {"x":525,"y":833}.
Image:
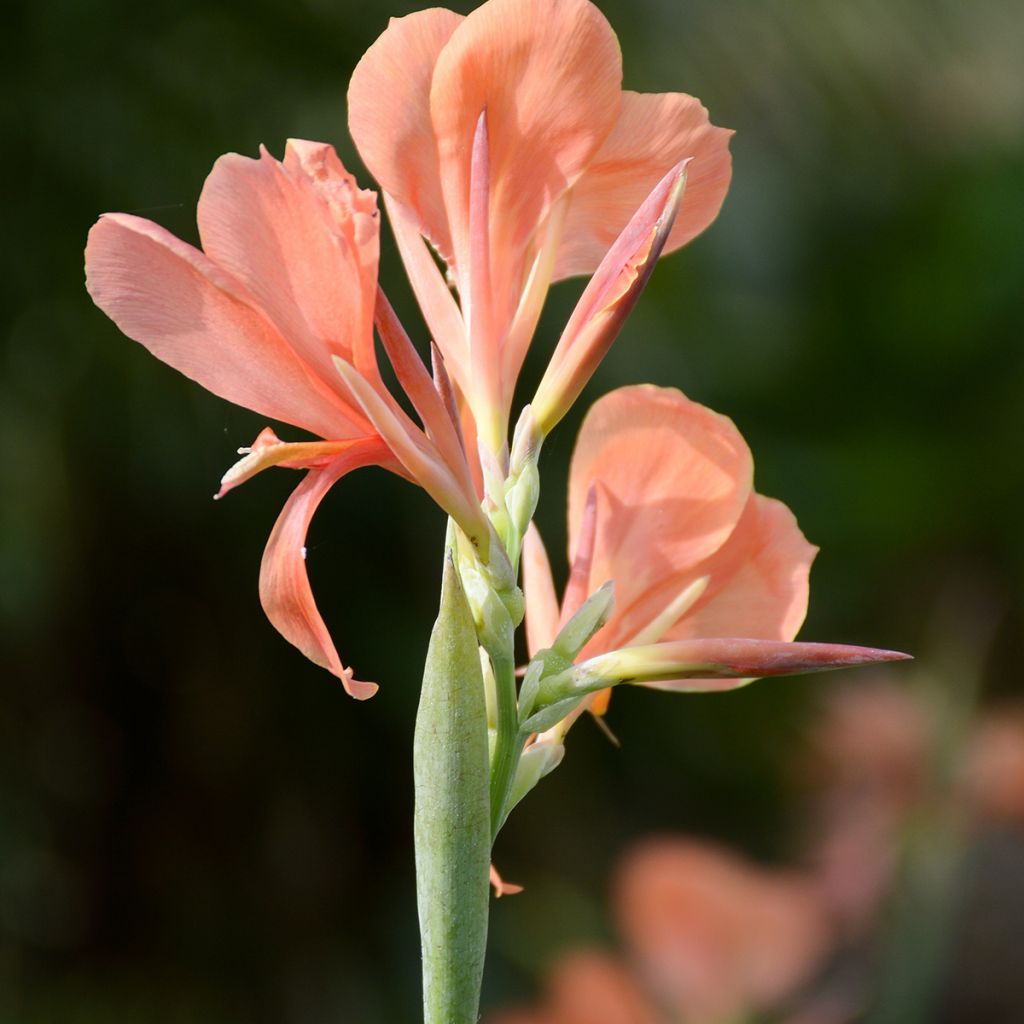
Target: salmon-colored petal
{"x":754,"y":585}
{"x":653,"y":132}
{"x":538,"y":593}
{"x":284,"y":585}
{"x":608,"y":299}
{"x":389,"y":116}
{"x":438,"y":305}
{"x":420,"y":458}
{"x":304,"y":240}
{"x":200,"y":319}
{"x":548,"y":73}
{"x":674,"y":478}
{"x":269,"y":450}
{"x":758,"y":580}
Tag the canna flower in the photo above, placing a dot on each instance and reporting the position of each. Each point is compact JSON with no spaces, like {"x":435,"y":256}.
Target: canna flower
{"x":504,"y":139}
{"x":281,"y":298}
{"x":661,"y":502}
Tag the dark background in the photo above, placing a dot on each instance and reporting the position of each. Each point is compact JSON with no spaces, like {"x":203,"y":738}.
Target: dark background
{"x":198,"y":825}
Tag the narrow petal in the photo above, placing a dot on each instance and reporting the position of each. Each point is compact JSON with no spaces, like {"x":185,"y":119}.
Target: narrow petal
{"x":284,"y":585}
{"x":420,"y":458}
{"x":438,"y":305}
{"x":196,"y":317}
{"x":538,"y":594}
{"x":578,"y":587}
{"x":304,"y":240}
{"x":269,"y":450}
{"x":608,"y":300}
{"x":548,"y":73}
{"x":674,"y":478}
{"x":418,"y":384}
{"x":389,"y":116}
{"x":653,"y":133}
{"x":692,"y":666}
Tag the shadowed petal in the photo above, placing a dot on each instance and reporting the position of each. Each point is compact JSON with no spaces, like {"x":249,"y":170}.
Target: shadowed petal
{"x":198,"y":318}
{"x":755,"y":585}
{"x":548,"y":73}
{"x":758,"y":580}
{"x":284,"y":585}
{"x":653,"y":133}
{"x":389,"y":116}
{"x":304,"y":240}
{"x":673,"y":477}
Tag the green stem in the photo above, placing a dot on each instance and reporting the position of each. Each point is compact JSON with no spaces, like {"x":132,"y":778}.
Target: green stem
{"x":507,"y":744}
{"x":452,"y":813}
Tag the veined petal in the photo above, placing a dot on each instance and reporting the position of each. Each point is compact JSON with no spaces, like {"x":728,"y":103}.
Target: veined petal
{"x":389,"y":116}
{"x":548,"y":73}
{"x":198,"y":318}
{"x":284,"y":585}
{"x":758,"y":579}
{"x":674,"y":478}
{"x":538,"y":593}
{"x":438,"y":305}
{"x":755,"y":585}
{"x":654,"y":132}
{"x":304,"y":240}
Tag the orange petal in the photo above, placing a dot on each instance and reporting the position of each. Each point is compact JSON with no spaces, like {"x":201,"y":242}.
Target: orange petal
{"x":196,"y":317}
{"x":548,"y":73}
{"x":674,"y":478}
{"x":304,"y":240}
{"x":284,"y":585}
{"x":538,"y":593}
{"x":389,"y":116}
{"x":653,"y":133}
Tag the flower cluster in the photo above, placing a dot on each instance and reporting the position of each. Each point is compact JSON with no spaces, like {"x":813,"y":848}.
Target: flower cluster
{"x":508,"y":157}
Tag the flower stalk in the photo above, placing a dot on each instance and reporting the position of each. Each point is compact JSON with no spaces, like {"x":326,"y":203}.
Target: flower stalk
{"x":452,"y":831}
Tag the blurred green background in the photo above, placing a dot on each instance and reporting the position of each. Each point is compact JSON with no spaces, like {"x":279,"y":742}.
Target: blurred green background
{"x":198,"y":825}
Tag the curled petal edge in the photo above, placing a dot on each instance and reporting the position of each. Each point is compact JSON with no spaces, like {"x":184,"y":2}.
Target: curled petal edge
{"x":285,"y":592}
